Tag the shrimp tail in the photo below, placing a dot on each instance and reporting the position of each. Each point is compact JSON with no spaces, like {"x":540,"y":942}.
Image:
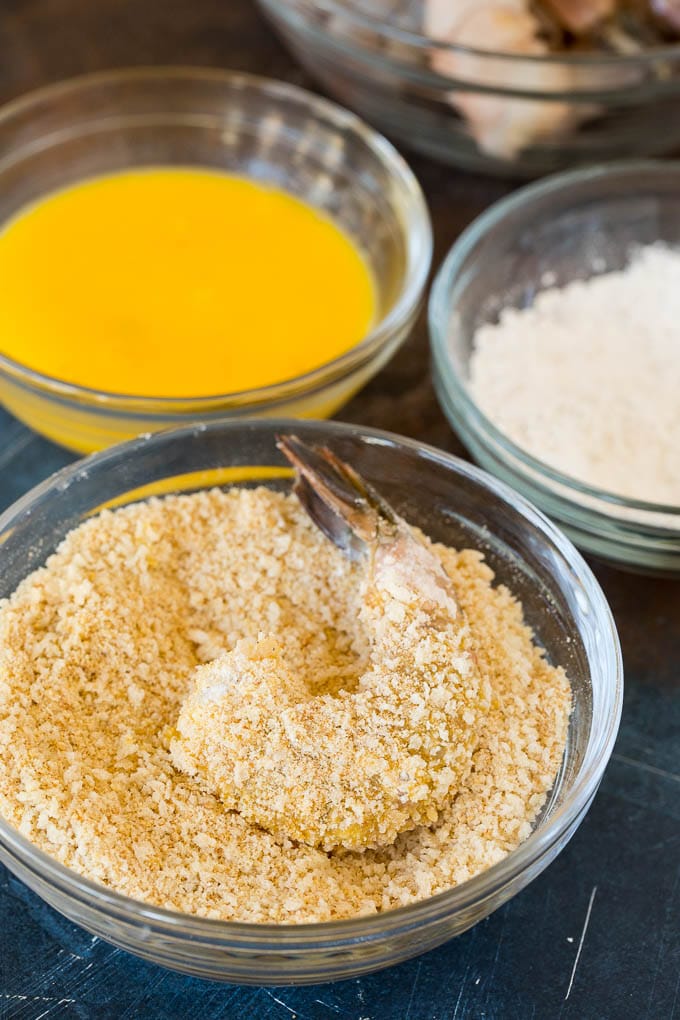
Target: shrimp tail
{"x":341,"y":503}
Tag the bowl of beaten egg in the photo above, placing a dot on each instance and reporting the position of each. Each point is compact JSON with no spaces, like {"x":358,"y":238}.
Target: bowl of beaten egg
{"x":112,"y":616}
{"x":182,"y":244}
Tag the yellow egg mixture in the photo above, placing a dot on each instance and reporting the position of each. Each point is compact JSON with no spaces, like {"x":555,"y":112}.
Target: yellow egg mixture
{"x":178,"y":282}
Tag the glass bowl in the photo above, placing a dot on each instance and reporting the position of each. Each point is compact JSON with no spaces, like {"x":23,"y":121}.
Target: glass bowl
{"x":571,"y":227}
{"x":497,"y":112}
{"x":453,"y":502}
{"x":264,"y":130}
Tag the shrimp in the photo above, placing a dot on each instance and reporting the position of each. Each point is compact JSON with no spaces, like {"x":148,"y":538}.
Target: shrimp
{"x":356,"y":768}
{"x":501,"y":125}
{"x":582,"y":16}
{"x":618,"y":26}
{"x":667,"y":12}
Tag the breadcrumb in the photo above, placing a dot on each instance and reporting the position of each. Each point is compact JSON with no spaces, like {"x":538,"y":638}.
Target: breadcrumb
{"x":97,"y":653}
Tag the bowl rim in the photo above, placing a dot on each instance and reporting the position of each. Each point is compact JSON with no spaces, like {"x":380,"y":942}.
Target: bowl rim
{"x":439,"y":308}
{"x":419,"y":40}
{"x":416,"y":233}
{"x":374,"y":927}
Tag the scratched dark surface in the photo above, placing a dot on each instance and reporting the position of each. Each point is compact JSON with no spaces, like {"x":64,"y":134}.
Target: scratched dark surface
{"x":596,"y":937}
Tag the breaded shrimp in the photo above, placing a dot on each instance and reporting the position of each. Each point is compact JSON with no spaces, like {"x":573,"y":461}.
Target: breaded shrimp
{"x":357,"y":768}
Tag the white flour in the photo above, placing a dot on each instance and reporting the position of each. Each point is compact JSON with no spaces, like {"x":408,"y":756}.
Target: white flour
{"x":588,"y":378}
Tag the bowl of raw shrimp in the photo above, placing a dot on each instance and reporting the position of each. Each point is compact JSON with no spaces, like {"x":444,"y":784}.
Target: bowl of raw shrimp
{"x":510,"y":87}
{"x":452,"y":502}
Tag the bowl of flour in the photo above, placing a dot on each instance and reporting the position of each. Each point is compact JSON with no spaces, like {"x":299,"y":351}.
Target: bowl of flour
{"x":555,"y":326}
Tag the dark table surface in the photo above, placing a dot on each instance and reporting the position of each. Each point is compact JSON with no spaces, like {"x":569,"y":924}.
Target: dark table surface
{"x":598,"y":934}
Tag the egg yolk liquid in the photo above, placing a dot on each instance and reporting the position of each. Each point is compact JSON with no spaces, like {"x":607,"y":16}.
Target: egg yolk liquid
{"x":177,"y":283}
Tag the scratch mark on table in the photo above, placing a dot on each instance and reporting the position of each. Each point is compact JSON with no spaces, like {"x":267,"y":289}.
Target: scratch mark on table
{"x":581,"y":941}
{"x":413,"y":990}
{"x":328,"y":1005}
{"x":293,"y":1012}
{"x":647,"y":768}
{"x":15,"y":447}
{"x":38,"y":998}
{"x":494,"y":963}
{"x":59,"y":965}
{"x":675,"y":998}
{"x":460,"y":993}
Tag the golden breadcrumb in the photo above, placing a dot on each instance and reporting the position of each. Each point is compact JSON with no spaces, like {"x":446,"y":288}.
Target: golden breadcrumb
{"x":98,"y":652}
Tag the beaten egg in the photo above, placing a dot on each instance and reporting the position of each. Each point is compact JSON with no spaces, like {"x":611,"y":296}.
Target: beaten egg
{"x":178,"y":282}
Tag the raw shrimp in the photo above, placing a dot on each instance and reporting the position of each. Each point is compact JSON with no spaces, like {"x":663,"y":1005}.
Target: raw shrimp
{"x":357,"y":768}
{"x":617,"y":26}
{"x":501,"y":125}
{"x":668,"y":12}
{"x":582,"y":16}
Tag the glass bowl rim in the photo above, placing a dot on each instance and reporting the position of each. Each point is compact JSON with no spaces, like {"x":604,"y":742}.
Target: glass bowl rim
{"x":439,"y":307}
{"x":374,"y":927}
{"x":417,"y":235}
{"x":419,"y":40}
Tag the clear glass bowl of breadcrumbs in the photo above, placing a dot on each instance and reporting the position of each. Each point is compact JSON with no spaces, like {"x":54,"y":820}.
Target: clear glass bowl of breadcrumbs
{"x":451,"y":501}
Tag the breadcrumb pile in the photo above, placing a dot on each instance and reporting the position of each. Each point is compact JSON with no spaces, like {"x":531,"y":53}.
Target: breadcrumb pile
{"x":97,"y":654}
